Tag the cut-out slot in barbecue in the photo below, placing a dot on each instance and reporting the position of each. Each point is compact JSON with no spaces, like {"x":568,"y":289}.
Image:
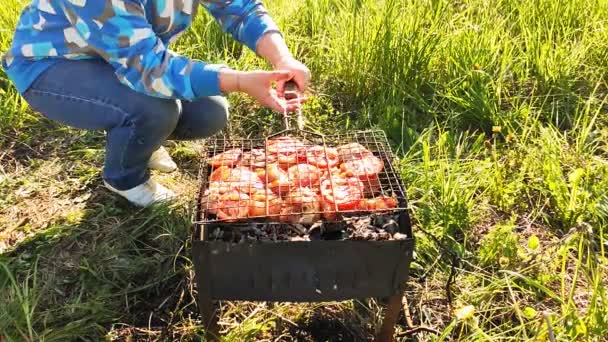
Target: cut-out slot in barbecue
{"x":290,"y":181}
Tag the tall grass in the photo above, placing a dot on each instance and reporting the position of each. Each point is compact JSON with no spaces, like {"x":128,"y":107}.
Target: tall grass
{"x":12,"y":106}
{"x":470,"y":64}
{"x":498,"y":113}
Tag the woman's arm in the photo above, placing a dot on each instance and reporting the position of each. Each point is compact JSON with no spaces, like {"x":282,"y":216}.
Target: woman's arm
{"x":140,"y":60}
{"x":272,"y":47}
{"x":248,"y":22}
{"x":258,"y":84}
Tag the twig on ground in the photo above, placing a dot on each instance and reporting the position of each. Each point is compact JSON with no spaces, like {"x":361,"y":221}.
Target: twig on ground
{"x":451,"y":278}
{"x":455,"y":262}
{"x":416,"y":330}
{"x":411,"y":328}
{"x":549,"y":327}
{"x":147,"y":331}
{"x":38,"y":154}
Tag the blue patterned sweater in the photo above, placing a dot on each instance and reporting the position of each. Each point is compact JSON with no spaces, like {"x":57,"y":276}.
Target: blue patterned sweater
{"x":131,"y":35}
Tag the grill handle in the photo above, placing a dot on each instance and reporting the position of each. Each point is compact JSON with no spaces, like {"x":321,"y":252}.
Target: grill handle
{"x":291,"y":92}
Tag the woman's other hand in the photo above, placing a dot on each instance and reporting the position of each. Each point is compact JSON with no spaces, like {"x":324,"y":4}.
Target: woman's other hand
{"x":259,"y":85}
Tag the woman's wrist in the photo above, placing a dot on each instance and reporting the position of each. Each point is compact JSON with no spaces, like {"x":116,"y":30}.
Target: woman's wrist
{"x":281,"y":60}
{"x":273,"y":49}
{"x":230,"y":80}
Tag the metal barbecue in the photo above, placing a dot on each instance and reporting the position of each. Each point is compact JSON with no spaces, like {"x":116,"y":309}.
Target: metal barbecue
{"x":301,"y":253}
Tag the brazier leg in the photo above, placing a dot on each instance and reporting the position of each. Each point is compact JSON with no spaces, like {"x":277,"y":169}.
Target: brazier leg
{"x":390,"y":319}
{"x":210,"y":318}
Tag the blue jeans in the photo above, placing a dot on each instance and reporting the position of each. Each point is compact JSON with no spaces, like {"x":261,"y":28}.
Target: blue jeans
{"x":86,"y":94}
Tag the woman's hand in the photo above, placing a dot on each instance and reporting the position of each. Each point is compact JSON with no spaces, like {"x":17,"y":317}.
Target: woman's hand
{"x":273,"y":48}
{"x":258,"y":84}
{"x":301,"y":74}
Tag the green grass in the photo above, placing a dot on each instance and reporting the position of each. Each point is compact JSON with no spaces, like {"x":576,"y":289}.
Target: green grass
{"x":498,"y":115}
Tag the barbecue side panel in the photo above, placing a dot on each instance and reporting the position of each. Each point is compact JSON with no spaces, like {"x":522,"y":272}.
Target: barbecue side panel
{"x":309,"y":271}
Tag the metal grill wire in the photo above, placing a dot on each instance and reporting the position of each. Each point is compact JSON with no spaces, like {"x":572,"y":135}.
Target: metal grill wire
{"x":280,"y":162}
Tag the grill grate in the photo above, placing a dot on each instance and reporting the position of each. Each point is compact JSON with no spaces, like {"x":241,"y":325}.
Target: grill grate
{"x":288,"y":192}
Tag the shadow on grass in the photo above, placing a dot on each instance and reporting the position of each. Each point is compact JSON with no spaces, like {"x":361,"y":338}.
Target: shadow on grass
{"x":332,"y":325}
{"x":115,"y":264}
{"x":98,"y":266}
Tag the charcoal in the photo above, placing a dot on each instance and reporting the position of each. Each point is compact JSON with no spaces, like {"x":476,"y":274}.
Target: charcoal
{"x":365,"y":228}
{"x":298,"y":228}
{"x":391,"y":226}
{"x":379,"y":220}
{"x":316,"y":226}
{"x":316,"y":232}
{"x":383,"y":235}
{"x":299,"y":238}
{"x":217,"y":234}
{"x":333,"y":235}
{"x":399,"y":236}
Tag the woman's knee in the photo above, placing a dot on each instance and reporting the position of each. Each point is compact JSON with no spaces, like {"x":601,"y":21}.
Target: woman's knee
{"x":202,"y":118}
{"x":215,"y":113}
{"x":220,"y":113}
{"x":156,"y":117}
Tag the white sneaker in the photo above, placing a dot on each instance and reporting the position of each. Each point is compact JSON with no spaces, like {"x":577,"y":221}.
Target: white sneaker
{"x":161,"y":161}
{"x":144,"y":194}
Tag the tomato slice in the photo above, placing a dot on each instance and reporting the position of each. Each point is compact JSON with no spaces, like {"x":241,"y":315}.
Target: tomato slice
{"x":240,"y":178}
{"x":303,"y":175}
{"x":344,"y":192}
{"x":329,"y":211}
{"x":377,"y":203}
{"x":219,"y":174}
{"x":322,"y":157}
{"x":257,"y":158}
{"x":285,"y":145}
{"x":288,"y":160}
{"x":274,"y":172}
{"x":288,"y":151}
{"x":263,"y":199}
{"x":232,"y":206}
{"x":278,"y":180}
{"x":219,"y":187}
{"x":226,"y":158}
{"x":301,"y":205}
{"x":352,"y":151}
{"x":371,"y":186}
{"x":365,"y":168}
{"x":209,"y":200}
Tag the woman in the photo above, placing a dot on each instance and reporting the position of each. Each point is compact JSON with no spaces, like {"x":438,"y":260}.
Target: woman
{"x":105,"y":64}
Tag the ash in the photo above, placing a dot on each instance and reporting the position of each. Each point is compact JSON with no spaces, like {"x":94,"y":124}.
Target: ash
{"x":376,"y":227}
